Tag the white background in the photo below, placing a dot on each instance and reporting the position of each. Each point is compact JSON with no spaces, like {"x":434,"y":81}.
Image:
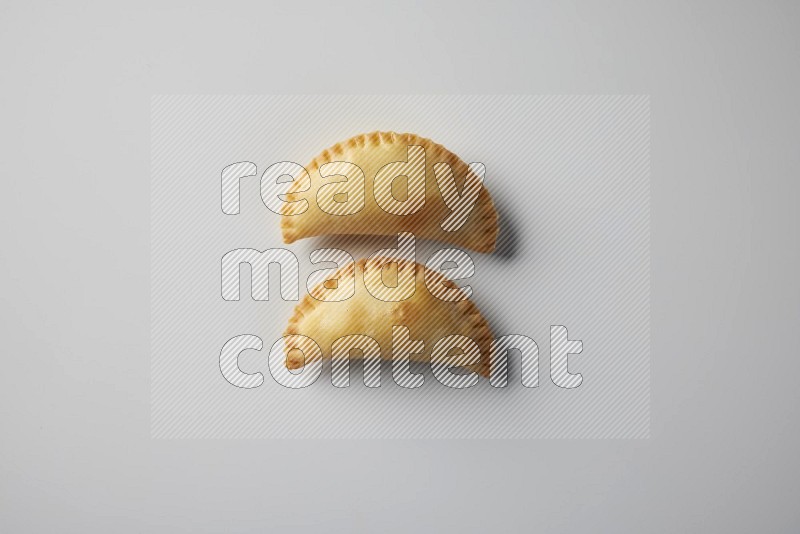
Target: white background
{"x":76,"y":453}
{"x":570,"y":178}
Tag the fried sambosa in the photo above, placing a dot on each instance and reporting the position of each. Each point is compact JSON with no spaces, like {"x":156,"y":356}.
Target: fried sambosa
{"x":373,"y":317}
{"x":383,"y":183}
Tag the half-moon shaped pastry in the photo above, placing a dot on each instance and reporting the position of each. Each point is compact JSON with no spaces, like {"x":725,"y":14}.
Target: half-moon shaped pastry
{"x":323,"y":317}
{"x":383,"y":183}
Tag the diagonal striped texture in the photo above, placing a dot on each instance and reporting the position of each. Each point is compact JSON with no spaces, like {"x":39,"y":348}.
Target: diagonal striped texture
{"x":231,"y":178}
{"x":298,"y":379}
{"x":329,"y":320}
{"x":344,"y":191}
{"x":388,"y":187}
{"x":460,"y":202}
{"x":456,"y":265}
{"x":569,"y":176}
{"x":528,"y":360}
{"x":444,"y":359}
{"x":343,"y":349}
{"x":329,"y":286}
{"x":392,"y":280}
{"x":414,"y":195}
{"x":259,"y":262}
{"x":275,"y":181}
{"x":404,"y":347}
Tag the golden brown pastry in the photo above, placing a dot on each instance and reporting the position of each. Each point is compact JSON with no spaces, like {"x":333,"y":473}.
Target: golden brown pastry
{"x":371,"y":311}
{"x":383,"y":183}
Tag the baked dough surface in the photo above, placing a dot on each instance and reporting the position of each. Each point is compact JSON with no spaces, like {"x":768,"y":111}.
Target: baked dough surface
{"x":428,"y":318}
{"x":371,"y":152}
